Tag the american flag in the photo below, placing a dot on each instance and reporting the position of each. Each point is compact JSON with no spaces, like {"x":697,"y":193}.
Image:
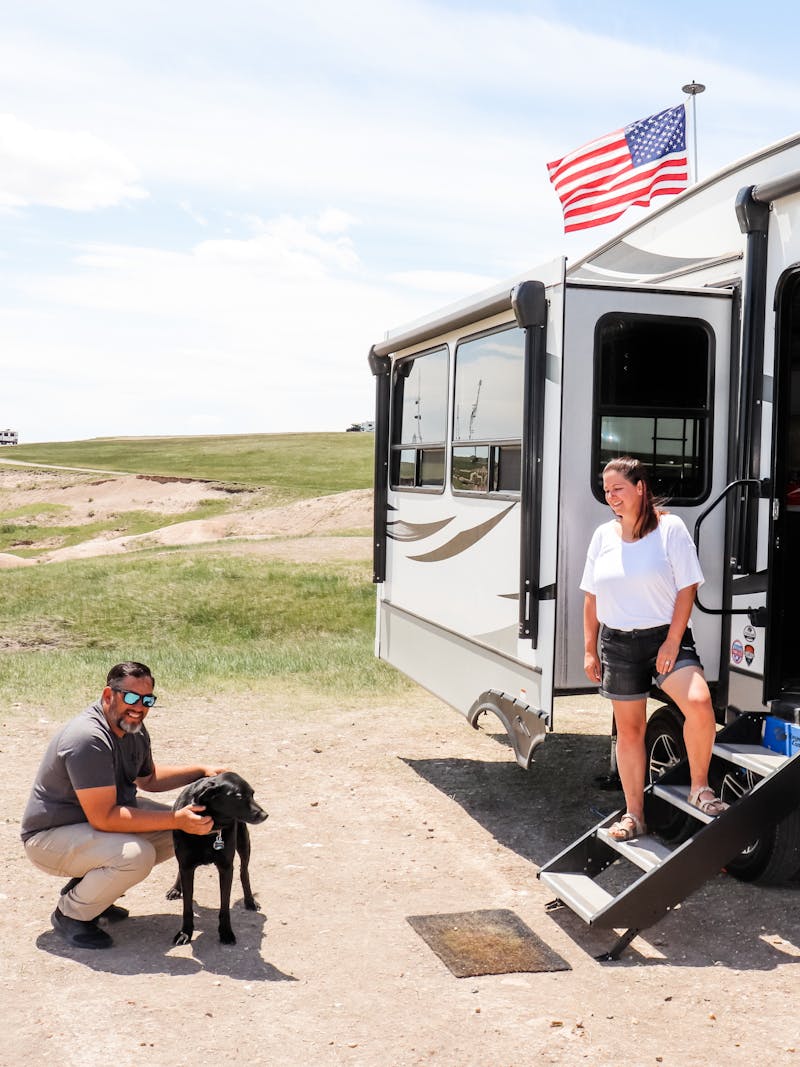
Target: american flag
{"x":599,"y":181}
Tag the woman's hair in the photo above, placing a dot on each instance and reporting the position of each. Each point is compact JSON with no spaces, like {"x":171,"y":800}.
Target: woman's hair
{"x":651,"y":506}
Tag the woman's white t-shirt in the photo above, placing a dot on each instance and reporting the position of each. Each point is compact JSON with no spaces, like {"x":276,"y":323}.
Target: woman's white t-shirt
{"x":636,"y":582}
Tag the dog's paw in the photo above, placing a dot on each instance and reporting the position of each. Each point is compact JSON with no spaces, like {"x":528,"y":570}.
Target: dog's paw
{"x":227,"y":937}
{"x":182,"y":938}
{"x":174,"y":893}
{"x":252,"y":904}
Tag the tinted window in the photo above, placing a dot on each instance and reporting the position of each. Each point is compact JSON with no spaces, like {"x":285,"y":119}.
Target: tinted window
{"x":488,"y":391}
{"x":419,"y":420}
{"x":487,"y":412}
{"x":653,"y":400}
{"x":421,"y":399}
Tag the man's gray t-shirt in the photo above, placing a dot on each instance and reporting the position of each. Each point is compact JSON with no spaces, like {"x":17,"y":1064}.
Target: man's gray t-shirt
{"x":84,"y":754}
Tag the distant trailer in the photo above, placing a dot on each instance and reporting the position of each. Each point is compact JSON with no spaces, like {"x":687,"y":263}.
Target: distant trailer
{"x":361,"y":427}
{"x":9,"y":437}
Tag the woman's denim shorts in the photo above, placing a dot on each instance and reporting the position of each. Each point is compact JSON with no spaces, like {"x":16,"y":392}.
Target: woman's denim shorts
{"x":628,"y":660}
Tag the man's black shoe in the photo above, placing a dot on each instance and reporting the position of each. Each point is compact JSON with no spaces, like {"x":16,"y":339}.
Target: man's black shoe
{"x":114,"y":913}
{"x":78,"y":933}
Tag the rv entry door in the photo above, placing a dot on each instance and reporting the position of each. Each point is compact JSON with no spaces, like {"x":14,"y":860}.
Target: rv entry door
{"x":646,"y":374}
{"x":782,"y":616}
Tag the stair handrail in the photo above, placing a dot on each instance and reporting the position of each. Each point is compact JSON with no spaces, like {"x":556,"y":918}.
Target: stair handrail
{"x":763,"y":487}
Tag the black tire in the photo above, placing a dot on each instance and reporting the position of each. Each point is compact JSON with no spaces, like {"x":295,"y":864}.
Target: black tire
{"x":775,"y":856}
{"x":664,"y":747}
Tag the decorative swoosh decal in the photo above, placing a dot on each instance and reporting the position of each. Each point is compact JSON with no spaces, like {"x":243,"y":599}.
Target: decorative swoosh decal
{"x":414,"y":531}
{"x":546,"y":592}
{"x":504,"y":639}
{"x":462,"y":541}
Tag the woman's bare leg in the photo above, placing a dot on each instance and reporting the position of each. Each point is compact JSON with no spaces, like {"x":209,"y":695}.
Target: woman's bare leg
{"x":630,"y":717}
{"x":688,"y":688}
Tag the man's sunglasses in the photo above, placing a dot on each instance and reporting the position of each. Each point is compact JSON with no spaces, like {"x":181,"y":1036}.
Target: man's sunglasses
{"x":132,"y":698}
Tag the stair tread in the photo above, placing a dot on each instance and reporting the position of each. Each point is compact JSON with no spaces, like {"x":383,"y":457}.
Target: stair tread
{"x":755,"y":758}
{"x":578,"y":891}
{"x":645,"y":852}
{"x":678,"y":796}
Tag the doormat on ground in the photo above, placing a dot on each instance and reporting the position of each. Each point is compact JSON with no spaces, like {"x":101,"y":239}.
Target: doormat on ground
{"x":471,"y":943}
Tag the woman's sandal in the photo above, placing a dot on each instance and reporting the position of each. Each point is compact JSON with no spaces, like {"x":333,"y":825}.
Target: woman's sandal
{"x":627,"y":828}
{"x":712,"y":805}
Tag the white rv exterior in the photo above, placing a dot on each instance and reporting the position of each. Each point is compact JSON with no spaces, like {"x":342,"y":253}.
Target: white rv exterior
{"x":678,"y":341}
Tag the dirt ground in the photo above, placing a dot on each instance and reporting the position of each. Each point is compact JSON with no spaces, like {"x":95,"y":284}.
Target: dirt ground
{"x":378,"y":813}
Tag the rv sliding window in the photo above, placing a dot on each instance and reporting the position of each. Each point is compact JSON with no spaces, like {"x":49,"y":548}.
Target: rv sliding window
{"x":419,"y":421}
{"x":487,"y":413}
{"x":653,"y":391}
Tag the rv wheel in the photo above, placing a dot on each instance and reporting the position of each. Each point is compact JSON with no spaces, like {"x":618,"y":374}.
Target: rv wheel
{"x":775,"y":856}
{"x":664,"y":748}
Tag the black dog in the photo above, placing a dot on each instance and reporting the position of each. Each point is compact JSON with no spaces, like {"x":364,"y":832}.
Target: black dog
{"x":229,"y":800}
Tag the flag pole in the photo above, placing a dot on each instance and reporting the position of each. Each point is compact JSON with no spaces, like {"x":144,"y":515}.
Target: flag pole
{"x":693,"y":88}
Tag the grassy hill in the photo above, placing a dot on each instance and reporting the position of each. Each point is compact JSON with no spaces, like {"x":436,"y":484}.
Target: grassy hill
{"x":303,"y":464}
{"x":215,"y":617}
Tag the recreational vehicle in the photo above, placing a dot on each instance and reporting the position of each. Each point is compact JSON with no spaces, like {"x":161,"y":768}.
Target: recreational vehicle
{"x":677,"y":342}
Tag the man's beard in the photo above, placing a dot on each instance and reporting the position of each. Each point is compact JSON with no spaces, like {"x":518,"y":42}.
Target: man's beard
{"x":128,"y":726}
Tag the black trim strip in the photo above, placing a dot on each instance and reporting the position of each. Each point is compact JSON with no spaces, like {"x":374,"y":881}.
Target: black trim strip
{"x":530,"y":309}
{"x":753,"y":216}
{"x":381,"y":368}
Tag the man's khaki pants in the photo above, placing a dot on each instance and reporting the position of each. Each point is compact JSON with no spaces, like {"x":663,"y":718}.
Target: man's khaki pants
{"x":107,"y":864}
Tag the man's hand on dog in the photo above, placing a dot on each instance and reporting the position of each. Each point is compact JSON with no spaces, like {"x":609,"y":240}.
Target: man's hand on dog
{"x":190,"y":822}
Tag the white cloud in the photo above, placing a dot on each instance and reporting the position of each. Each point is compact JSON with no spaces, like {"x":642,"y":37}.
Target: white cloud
{"x":266,"y":334}
{"x":196,"y":216}
{"x":352,"y":166}
{"x":69,"y":169}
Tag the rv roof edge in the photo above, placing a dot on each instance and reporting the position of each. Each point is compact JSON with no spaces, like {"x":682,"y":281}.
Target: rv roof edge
{"x":481,"y":309}
{"x":786,"y":185}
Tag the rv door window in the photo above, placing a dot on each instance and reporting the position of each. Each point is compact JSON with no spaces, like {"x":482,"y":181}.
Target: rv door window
{"x":653,"y":389}
{"x":419,"y":421}
{"x":487,"y":412}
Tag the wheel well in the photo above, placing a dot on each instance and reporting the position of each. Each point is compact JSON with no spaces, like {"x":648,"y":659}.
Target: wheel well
{"x":526,"y":726}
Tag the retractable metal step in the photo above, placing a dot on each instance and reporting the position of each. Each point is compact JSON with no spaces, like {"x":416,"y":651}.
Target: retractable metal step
{"x":660,"y":876}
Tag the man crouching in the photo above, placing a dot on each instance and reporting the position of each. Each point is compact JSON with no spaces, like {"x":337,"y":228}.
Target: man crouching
{"x":84,"y":818}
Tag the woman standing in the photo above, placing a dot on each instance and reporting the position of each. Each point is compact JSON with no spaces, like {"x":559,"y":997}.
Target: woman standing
{"x":640,"y":581}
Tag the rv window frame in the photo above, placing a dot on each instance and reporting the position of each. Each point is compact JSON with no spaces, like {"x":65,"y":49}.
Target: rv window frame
{"x":705,"y":413}
{"x":493,"y":444}
{"x":432,"y":446}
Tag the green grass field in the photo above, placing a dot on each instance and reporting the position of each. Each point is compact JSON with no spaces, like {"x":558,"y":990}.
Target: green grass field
{"x":300,"y":464}
{"x":199,"y":619}
{"x":202,"y":618}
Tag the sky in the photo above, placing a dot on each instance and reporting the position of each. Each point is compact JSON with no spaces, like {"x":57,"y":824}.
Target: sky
{"x":209,"y":212}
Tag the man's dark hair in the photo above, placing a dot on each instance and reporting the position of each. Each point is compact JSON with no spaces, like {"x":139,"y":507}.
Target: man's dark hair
{"x":129,"y":670}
